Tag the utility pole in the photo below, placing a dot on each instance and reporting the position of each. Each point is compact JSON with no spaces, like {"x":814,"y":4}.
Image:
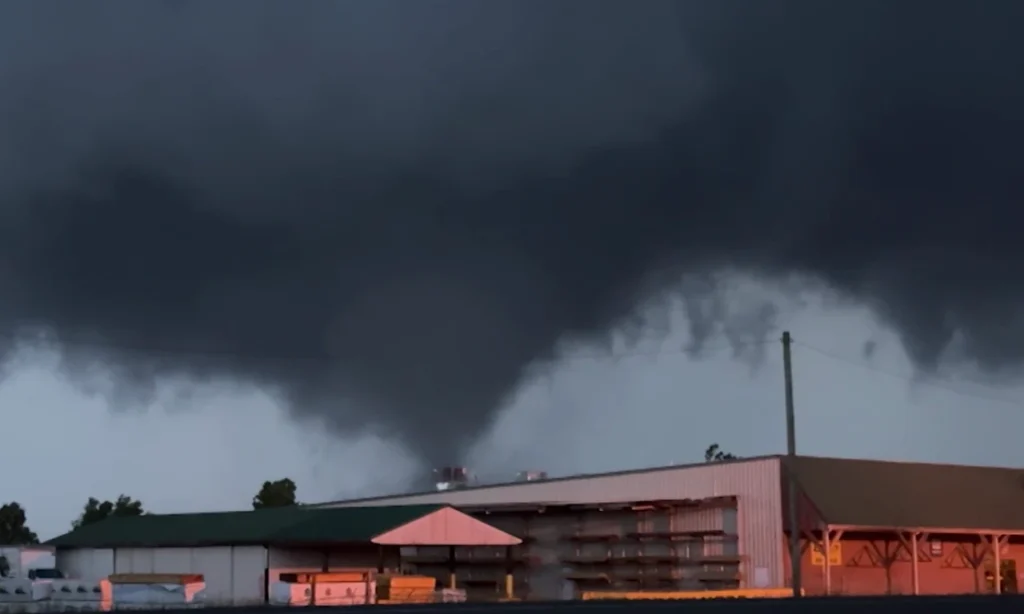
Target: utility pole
{"x":793,"y":514}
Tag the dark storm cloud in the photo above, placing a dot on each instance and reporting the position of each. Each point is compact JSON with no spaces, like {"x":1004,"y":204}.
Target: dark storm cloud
{"x":389,"y":208}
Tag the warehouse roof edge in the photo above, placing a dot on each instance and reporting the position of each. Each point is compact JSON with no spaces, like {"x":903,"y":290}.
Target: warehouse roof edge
{"x":854,"y":492}
{"x":381,"y":525}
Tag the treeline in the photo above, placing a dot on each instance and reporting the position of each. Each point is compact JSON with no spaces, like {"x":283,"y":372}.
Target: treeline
{"x":14,"y":527}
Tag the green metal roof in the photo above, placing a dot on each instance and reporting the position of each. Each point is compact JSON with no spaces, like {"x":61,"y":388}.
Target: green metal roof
{"x":286,"y":525}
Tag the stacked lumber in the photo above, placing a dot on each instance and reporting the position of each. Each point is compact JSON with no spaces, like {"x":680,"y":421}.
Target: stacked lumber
{"x":406,"y":589}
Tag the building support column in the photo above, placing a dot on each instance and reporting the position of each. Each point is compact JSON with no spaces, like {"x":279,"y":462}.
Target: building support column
{"x":451,"y":568}
{"x":997,"y":563}
{"x":828,"y":537}
{"x":509,"y":577}
{"x":912,"y":542}
{"x":826,"y":567}
{"x":914,"y":563}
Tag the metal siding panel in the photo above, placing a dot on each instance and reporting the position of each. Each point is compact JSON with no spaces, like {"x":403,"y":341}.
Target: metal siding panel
{"x":216,"y":566}
{"x":122,"y":560}
{"x":71,"y":562}
{"x":698,"y":520}
{"x":172,"y":560}
{"x":92,"y":564}
{"x":756,"y":483}
{"x":133,"y":560}
{"x":730,"y":524}
{"x":142,"y":560}
{"x":249,"y":563}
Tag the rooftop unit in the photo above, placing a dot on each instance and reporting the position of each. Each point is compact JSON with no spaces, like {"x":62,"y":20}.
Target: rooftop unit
{"x":451,"y":478}
{"x":531,"y":476}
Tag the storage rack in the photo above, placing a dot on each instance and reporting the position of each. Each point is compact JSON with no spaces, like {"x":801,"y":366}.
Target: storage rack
{"x":654,"y":560}
{"x":480,"y":570}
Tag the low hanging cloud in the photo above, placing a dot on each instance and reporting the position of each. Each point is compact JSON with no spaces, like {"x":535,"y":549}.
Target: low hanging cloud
{"x":388,"y":210}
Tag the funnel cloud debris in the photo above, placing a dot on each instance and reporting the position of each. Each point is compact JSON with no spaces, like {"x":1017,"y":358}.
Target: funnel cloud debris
{"x":387,"y":210}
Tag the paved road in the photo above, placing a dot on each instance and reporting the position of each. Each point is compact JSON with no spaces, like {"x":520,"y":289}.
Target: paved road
{"x":833,"y":605}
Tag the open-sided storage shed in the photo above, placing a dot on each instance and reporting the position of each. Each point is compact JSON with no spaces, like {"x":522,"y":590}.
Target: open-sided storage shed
{"x":914,"y":528}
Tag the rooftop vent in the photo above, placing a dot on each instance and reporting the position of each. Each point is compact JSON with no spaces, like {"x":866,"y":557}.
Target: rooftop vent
{"x":531,"y":476}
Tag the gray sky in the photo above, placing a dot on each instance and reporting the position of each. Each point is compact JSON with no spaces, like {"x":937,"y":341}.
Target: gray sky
{"x":407,"y":220}
{"x":592,"y":414}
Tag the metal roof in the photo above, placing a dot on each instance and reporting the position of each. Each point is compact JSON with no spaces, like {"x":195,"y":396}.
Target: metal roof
{"x":498,"y":485}
{"x":278,"y":526}
{"x":868,"y":493}
{"x":880,"y":494}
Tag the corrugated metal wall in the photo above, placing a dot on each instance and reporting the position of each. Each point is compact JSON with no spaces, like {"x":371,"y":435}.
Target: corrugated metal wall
{"x":234,"y":575}
{"x":755,"y":482}
{"x":90,"y":564}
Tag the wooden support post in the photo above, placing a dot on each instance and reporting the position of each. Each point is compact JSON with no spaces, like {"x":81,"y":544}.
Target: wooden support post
{"x":912,"y":543}
{"x":997,"y":571}
{"x":915,"y":571}
{"x":826,"y":568}
{"x":451,"y":567}
{"x":509,"y":582}
{"x":837,"y":536}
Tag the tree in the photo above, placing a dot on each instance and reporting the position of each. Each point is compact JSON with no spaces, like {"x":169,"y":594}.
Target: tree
{"x":279,"y":493}
{"x":13,"y":530}
{"x":96,"y":510}
{"x":715,"y":454}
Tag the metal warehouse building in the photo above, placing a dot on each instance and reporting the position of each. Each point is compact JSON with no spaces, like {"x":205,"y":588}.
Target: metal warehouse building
{"x":887,"y":528}
{"x":239,"y":553}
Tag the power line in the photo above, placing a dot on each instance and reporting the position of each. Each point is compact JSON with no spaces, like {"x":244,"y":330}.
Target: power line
{"x":937,"y":383}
